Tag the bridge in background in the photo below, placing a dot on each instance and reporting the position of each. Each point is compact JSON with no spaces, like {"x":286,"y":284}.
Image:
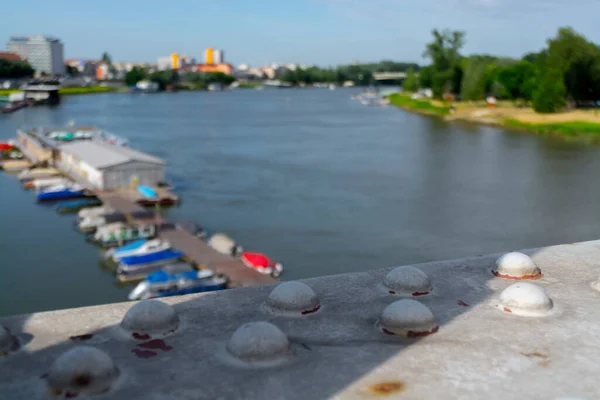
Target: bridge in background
{"x":388,"y":76}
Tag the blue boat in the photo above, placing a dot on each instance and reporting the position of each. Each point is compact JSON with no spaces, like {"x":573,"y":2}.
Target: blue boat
{"x":165,"y":284}
{"x":127,"y":250}
{"x":147,"y":192}
{"x":76,"y":205}
{"x":61,"y":193}
{"x":142,"y":261}
{"x":144,"y":248}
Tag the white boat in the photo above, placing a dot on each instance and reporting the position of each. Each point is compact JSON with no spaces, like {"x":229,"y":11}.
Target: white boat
{"x":44,"y":183}
{"x":62,"y":186}
{"x":137,"y":248}
{"x":93,"y":212}
{"x":91,"y":223}
{"x":165,"y":283}
{"x":35,"y":173}
{"x":120,"y":233}
{"x":224,"y":244}
{"x":332,"y":87}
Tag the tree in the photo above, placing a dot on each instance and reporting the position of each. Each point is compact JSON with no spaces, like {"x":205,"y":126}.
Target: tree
{"x":549,"y":96}
{"x":71,"y":71}
{"x":15,"y":69}
{"x":444,"y":52}
{"x":518,"y":80}
{"x":411,"y":83}
{"x":474,"y":80}
{"x":578,"y":61}
{"x":106,"y":58}
{"x":426,"y":77}
{"x":135,"y":75}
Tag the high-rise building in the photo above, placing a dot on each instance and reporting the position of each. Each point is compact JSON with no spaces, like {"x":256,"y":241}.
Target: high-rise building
{"x":174,"y":61}
{"x":45,"y":54}
{"x":208,"y":56}
{"x":218,"y":57}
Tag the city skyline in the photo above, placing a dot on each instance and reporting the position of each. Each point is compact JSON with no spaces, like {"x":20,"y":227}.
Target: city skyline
{"x":321,"y":32}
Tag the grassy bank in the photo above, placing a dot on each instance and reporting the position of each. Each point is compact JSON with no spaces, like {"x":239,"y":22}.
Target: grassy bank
{"x":6,"y":92}
{"x":581,"y":125}
{"x":69,"y":90}
{"x":423,"y":106}
{"x":85,"y":90}
{"x":586,"y":131}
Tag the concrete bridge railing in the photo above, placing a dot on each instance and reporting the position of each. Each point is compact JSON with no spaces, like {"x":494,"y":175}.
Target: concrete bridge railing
{"x":444,"y":330}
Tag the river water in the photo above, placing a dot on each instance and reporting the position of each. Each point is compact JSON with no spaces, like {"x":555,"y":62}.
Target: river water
{"x":313,"y":179}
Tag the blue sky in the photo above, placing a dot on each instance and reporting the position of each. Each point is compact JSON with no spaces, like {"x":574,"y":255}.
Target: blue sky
{"x":323,"y":32}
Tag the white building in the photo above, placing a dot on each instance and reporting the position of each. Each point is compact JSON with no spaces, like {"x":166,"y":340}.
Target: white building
{"x":45,"y":54}
{"x":164,"y":63}
{"x":107,"y":167}
{"x":218,"y":57}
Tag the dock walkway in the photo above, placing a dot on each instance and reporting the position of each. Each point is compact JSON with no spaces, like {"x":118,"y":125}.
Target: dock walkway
{"x":194,"y":248}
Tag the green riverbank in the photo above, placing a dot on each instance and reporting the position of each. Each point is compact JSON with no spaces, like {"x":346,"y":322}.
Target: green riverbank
{"x":583,"y":125}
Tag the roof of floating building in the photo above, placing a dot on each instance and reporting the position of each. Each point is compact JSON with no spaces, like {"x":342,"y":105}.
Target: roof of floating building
{"x":103,"y":155}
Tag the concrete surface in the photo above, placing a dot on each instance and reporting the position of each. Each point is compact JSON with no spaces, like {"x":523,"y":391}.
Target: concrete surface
{"x":479,"y":352}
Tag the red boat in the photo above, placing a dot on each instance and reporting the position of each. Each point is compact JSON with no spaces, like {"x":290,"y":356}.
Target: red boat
{"x":6,"y":146}
{"x":261,"y":263}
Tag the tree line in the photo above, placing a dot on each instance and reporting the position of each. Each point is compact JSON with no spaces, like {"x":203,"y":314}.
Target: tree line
{"x":15,"y":69}
{"x":360,"y":74}
{"x":172,"y":78}
{"x":564,"y":73}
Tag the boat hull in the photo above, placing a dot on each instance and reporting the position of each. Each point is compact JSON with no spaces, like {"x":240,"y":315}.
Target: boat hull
{"x":71,"y":207}
{"x":60,"y":195}
{"x":141,"y":273}
{"x":136,"y":263}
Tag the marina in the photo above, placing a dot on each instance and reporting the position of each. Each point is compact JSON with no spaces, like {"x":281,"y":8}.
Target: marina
{"x":355,"y":188}
{"x":97,"y":175}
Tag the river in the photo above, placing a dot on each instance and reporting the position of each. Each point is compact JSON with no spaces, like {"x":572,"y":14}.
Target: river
{"x":313,"y":179}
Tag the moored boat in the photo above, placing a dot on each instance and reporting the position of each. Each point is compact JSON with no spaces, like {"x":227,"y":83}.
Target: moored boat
{"x":127,"y":276}
{"x":61,"y":192}
{"x":137,"y":248}
{"x":6,"y":146}
{"x":93,"y":212}
{"x":261,"y":263}
{"x":36,"y":173}
{"x":138,"y":262}
{"x":224,"y":244}
{"x":164,"y":284}
{"x":91,"y":223}
{"x":45,"y":183}
{"x":120,"y":233}
{"x":76,"y":205}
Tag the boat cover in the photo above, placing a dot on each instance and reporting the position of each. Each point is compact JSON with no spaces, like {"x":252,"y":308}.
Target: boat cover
{"x":152,"y":257}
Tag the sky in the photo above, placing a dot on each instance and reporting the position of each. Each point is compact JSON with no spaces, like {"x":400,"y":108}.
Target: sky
{"x":321,"y":32}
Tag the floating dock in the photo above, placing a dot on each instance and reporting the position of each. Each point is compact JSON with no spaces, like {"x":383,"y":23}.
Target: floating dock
{"x":69,"y":148}
{"x":194,"y":248}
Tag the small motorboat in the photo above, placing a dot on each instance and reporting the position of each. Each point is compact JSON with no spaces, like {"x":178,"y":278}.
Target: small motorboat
{"x":193,"y":228}
{"x":37,"y":173}
{"x":137,"y":262}
{"x":119,"y":233}
{"x":261,"y":263}
{"x":76,"y":205}
{"x":93,"y":212}
{"x":45,"y":183}
{"x":147,"y":192}
{"x":61,"y":192}
{"x":164,"y":284}
{"x":6,"y":146}
{"x":224,"y":244}
{"x":91,"y":223}
{"x":137,"y":248}
{"x":141,"y":273}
